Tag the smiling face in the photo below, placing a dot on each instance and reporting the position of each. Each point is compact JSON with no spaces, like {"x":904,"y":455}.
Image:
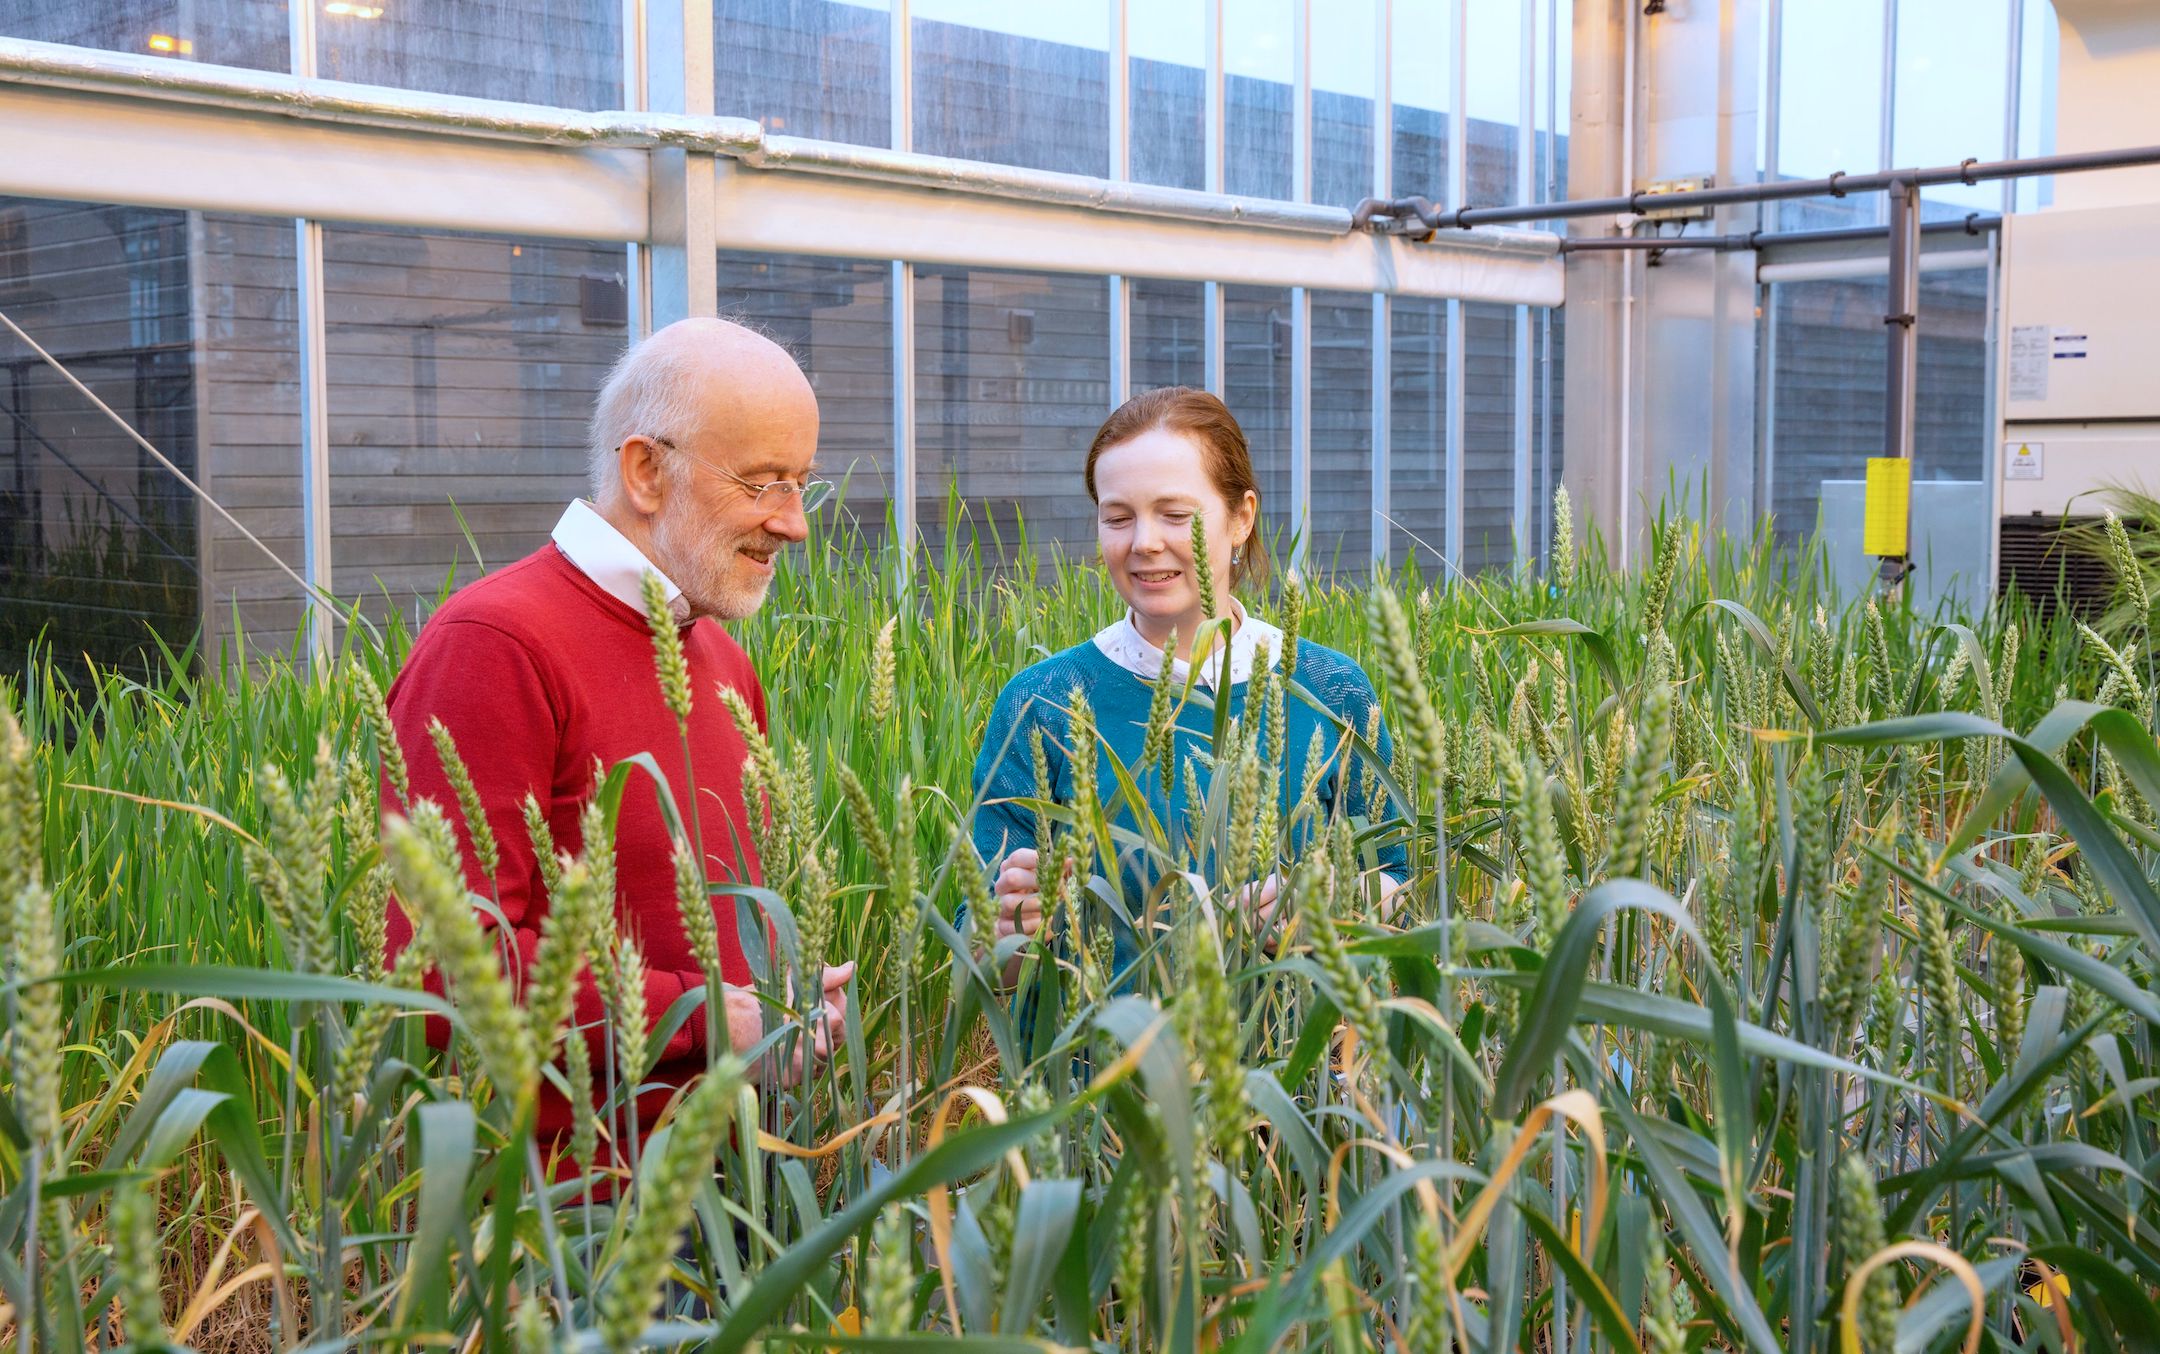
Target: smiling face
{"x":684,"y":501}
{"x":1148,"y":491}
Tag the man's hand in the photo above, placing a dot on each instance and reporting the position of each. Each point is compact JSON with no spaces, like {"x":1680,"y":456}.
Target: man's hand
{"x":1260,"y":901}
{"x":828,"y":1026}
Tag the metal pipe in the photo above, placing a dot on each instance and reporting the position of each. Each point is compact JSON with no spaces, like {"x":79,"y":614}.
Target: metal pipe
{"x":1903,"y":360}
{"x":1399,"y":213}
{"x":1975,"y":224}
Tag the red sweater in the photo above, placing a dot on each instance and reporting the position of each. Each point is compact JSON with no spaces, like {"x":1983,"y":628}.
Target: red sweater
{"x":537,"y":671}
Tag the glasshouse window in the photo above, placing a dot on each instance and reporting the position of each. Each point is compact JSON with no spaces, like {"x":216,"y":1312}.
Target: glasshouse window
{"x":462,"y":370}
{"x":1829,"y":386}
{"x":835,"y":316}
{"x":182,"y":323}
{"x":1488,"y":437}
{"x":1169,"y":334}
{"x":1256,"y":362}
{"x":1031,"y":88}
{"x":1260,"y":71}
{"x":1169,"y":88}
{"x":1421,"y":78}
{"x":1342,"y":444}
{"x":1345,"y":58}
{"x":816,"y":68}
{"x":564,"y":53}
{"x":1494,"y":73}
{"x":1417,"y":434}
{"x":1012,"y":378}
{"x":1946,"y":111}
{"x":1830,"y":107}
{"x":249,"y":33}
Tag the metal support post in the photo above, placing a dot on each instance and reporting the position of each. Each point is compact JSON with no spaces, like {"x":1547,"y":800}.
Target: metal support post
{"x":1902,"y":370}
{"x":1525,"y":191}
{"x":1213,"y":372}
{"x":901,"y":76}
{"x":313,"y":343}
{"x":679,"y":79}
{"x":1383,"y":358}
{"x":1120,"y":86}
{"x":1301,"y":175}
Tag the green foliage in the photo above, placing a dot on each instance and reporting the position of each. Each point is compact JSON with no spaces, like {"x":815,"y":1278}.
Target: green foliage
{"x":1653,"y":975}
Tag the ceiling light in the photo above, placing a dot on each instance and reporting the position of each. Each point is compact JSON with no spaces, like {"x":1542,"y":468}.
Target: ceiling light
{"x":350,"y":10}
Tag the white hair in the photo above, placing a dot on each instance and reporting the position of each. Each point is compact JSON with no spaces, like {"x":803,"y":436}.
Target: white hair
{"x":652,"y":391}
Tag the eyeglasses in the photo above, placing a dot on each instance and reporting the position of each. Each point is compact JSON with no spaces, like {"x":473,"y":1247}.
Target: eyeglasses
{"x":812,"y":493}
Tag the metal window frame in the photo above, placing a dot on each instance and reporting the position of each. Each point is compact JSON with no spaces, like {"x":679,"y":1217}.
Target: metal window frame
{"x":1383,"y":320}
{"x":1458,"y":188}
{"x":675,"y":184}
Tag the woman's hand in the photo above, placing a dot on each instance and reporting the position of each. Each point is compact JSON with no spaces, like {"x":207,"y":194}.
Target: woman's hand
{"x":1019,"y":903}
{"x":1019,"y":895}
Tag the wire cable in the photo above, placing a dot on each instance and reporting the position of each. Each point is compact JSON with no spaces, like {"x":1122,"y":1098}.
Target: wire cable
{"x":306,"y":587}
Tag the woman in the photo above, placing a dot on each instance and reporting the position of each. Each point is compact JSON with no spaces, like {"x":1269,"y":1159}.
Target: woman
{"x":1162,"y":460}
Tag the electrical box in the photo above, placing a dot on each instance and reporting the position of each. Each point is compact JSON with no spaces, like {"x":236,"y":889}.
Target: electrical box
{"x":1691,"y":185}
{"x":2078,"y":374}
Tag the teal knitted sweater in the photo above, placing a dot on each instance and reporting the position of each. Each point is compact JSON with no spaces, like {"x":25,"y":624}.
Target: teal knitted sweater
{"x":1039,"y":698}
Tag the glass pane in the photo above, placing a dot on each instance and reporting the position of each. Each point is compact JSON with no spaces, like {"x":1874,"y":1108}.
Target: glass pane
{"x":2036,"y":98}
{"x":1342,"y":442}
{"x":1555,"y":64}
{"x":250,"y":33}
{"x":1417,"y":436}
{"x":1345,"y":56}
{"x":182,"y":323}
{"x":1953,"y":64}
{"x":1021,"y":85}
{"x":1260,"y":70}
{"x":1167,"y":45}
{"x":1169,"y":334}
{"x":462,"y":371}
{"x":1488,"y":437}
{"x":835,"y":316}
{"x":1012,"y":378}
{"x":1829,"y":374}
{"x":1256,"y":361}
{"x":1830,"y":107}
{"x":1421,"y":76}
{"x":1548,"y":418}
{"x":1495,"y":103}
{"x":816,"y":68}
{"x":564,"y":53}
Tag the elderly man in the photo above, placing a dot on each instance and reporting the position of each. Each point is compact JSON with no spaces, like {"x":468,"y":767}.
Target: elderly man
{"x":701,"y":444}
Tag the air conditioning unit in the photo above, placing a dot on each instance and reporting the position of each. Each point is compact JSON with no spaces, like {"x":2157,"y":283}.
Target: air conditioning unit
{"x":2079,"y":387}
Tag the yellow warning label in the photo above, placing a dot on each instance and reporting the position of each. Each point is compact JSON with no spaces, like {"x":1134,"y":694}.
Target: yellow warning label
{"x":1889,"y":506}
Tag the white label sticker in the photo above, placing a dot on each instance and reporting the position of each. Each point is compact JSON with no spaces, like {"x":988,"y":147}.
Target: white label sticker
{"x":2071,"y":343}
{"x":2028,"y":362}
{"x":2022,"y":460}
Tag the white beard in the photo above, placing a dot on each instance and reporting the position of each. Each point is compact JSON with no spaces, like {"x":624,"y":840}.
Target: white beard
{"x":714,"y":579}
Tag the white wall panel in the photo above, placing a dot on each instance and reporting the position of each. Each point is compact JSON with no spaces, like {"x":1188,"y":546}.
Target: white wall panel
{"x":91,"y":147}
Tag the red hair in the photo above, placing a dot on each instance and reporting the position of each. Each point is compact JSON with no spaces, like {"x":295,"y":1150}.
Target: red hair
{"x":1208,"y":424}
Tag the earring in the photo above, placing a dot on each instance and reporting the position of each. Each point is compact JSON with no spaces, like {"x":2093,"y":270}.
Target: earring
{"x":1233,"y":559}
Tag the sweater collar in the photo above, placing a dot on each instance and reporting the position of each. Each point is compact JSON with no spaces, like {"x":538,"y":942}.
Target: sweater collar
{"x":1123,"y":644}
{"x":607,"y":557}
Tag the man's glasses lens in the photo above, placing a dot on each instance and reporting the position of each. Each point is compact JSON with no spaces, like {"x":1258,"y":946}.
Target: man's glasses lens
{"x":813,"y":493}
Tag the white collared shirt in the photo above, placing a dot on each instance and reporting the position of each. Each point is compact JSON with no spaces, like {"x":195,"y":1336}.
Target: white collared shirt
{"x":608,"y":558}
{"x":1123,"y":644}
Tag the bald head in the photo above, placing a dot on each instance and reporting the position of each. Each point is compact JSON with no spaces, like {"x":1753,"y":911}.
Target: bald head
{"x":699,"y":380}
